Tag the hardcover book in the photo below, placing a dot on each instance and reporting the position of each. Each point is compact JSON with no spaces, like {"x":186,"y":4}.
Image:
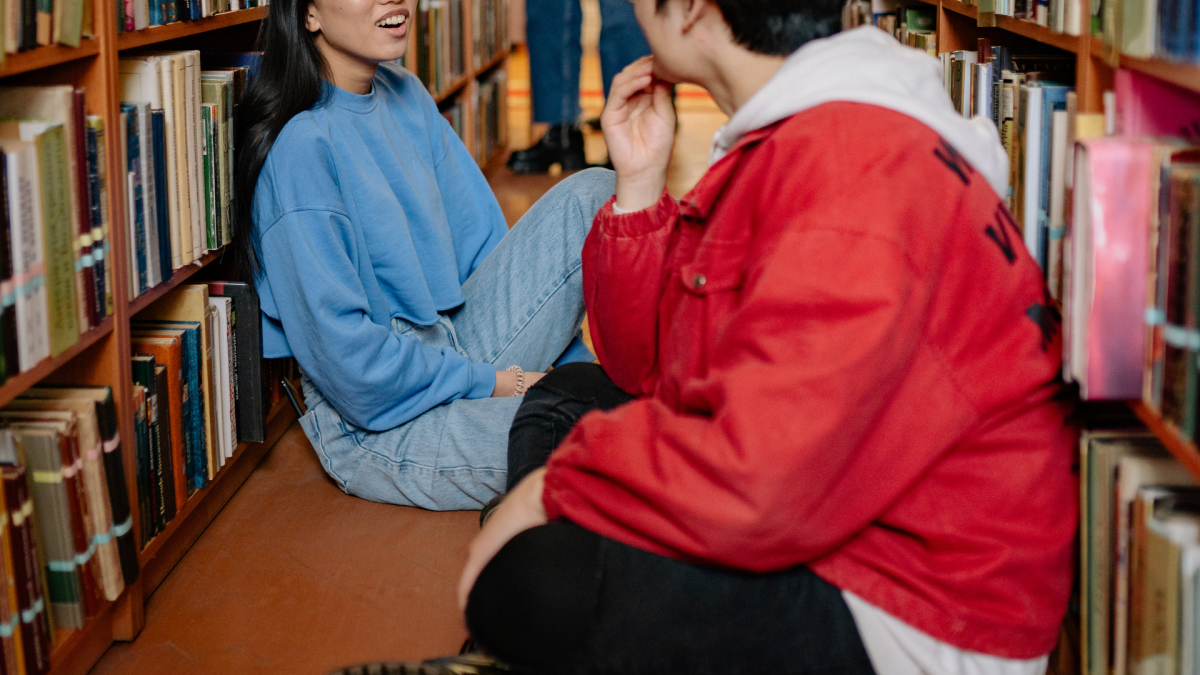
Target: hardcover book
{"x":168,"y":352}
{"x":247,"y":358}
{"x":35,"y":634}
{"x":32,"y":322}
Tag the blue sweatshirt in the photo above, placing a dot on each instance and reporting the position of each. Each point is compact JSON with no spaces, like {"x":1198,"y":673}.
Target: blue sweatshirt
{"x":369,"y":208}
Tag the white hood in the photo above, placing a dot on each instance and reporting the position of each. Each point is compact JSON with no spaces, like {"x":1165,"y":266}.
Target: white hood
{"x":866,"y":65}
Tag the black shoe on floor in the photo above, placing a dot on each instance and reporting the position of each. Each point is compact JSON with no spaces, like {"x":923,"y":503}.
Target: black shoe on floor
{"x":562,"y":144}
{"x":468,"y":664}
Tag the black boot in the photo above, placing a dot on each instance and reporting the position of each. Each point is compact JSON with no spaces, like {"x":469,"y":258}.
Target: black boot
{"x":562,"y":144}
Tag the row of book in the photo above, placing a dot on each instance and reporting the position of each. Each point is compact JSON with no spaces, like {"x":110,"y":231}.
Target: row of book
{"x":436,"y":43}
{"x":177,"y":130}
{"x":913,"y":26}
{"x":138,"y":14}
{"x":491,"y":115}
{"x":198,"y":391}
{"x":1139,"y":557}
{"x":27,"y":24}
{"x":489,"y":28}
{"x":67,"y":547}
{"x":1164,"y":28}
{"x":1063,"y":16}
{"x":55,"y":274}
{"x":1030,"y":100}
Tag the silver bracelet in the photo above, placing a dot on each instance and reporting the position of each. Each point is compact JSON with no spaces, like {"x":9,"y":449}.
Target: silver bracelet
{"x":520,"y":390}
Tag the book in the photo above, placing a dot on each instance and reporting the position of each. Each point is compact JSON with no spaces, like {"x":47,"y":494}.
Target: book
{"x":114,"y":466}
{"x":100,"y":234}
{"x":35,"y":631}
{"x":147,"y":515}
{"x":193,"y":414}
{"x":138,"y":250}
{"x":85,"y":283}
{"x":24,"y":204}
{"x":9,"y":365}
{"x":1178,"y":395}
{"x":247,"y":358}
{"x":163,"y":220}
{"x":167,"y":351}
{"x":226,"y":415}
{"x":160,"y":477}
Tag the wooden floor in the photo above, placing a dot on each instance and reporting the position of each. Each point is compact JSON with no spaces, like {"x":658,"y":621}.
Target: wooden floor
{"x":294,"y":576}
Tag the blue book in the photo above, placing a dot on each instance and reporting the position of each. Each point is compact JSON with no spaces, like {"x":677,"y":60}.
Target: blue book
{"x":155,"y":14}
{"x":133,"y":150}
{"x":96,"y":219}
{"x":194,"y":9}
{"x":195,"y":437}
{"x":248,"y":60}
{"x":1054,"y":97}
{"x":158,"y":127}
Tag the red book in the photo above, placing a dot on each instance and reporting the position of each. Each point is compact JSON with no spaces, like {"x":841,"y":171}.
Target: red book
{"x":35,"y":640}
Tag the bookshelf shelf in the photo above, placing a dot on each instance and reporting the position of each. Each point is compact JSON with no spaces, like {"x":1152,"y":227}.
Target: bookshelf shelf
{"x":181,"y":275}
{"x":166,"y":549}
{"x":171,"y":31}
{"x":1185,"y":451}
{"x":454,"y":88}
{"x":492,"y":62}
{"x":44,"y":57}
{"x":16,"y":385}
{"x":1033,"y":31}
{"x":1184,"y":75}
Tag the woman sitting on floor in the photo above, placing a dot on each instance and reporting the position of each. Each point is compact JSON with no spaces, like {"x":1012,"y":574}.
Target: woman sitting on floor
{"x":829,"y":434}
{"x":384,"y":264}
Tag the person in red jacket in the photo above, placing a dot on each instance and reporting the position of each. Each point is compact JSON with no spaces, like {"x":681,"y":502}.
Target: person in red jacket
{"x":829,"y":432}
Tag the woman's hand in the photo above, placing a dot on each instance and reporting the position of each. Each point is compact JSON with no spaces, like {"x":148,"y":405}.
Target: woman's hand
{"x":506,"y":382}
{"x":520,"y":510}
{"x":639,"y":128}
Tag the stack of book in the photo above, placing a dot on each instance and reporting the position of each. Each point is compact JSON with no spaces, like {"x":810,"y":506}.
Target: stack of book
{"x":26,"y":24}
{"x":138,"y":14}
{"x":198,"y":391}
{"x":55,"y":280}
{"x":491,"y":118}
{"x":1132,"y":290}
{"x":438,"y":41}
{"x":70,"y":548}
{"x":177,"y":121}
{"x":490,"y":29}
{"x":913,"y":26}
{"x":1140,"y":557}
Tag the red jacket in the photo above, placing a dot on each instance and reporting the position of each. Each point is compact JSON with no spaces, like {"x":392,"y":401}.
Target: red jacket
{"x":843,"y":359}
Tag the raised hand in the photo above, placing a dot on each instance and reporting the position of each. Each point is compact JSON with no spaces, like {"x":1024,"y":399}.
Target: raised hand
{"x":639,"y":128}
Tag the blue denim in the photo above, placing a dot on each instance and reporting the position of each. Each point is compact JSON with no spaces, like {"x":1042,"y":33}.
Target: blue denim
{"x":553,"y":30}
{"x":524,"y":306}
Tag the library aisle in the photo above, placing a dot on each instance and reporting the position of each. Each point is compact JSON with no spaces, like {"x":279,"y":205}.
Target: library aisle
{"x":296,"y":577}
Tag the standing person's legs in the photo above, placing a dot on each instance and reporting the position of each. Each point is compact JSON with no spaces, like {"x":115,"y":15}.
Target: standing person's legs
{"x":621,"y":39}
{"x":524,"y":306}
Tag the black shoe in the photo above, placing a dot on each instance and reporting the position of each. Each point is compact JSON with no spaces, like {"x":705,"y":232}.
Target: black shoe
{"x":488,"y":508}
{"x":469,"y":664}
{"x":562,"y":145}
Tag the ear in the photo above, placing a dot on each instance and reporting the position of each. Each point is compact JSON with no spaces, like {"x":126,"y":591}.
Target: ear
{"x":693,"y":11}
{"x":311,"y":23}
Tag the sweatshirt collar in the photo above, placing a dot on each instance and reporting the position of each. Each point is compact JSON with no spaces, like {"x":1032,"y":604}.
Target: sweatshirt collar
{"x":357,"y":103}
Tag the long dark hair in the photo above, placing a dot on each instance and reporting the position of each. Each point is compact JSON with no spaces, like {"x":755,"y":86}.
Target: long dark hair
{"x":288,"y":82}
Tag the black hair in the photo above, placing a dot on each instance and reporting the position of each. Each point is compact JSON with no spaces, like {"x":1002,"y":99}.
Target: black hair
{"x":288,"y":82}
{"x":778,"y":27}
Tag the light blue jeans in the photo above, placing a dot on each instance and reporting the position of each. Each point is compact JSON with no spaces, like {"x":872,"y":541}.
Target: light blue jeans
{"x":524,"y":306}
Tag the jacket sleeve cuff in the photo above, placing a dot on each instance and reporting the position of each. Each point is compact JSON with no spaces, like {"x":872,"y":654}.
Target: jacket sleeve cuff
{"x":636,"y":223}
{"x":483,"y":380}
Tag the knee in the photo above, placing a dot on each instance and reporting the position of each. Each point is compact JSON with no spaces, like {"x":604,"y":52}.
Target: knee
{"x":590,"y":189}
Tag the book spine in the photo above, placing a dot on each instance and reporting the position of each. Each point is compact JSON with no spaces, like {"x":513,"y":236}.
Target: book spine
{"x":143,"y":466}
{"x":210,"y":200}
{"x":12,"y":643}
{"x":91,"y":595}
{"x":35,"y":640}
{"x":59,"y":239}
{"x":169,"y":486}
{"x":138,"y":220}
{"x":94,"y":239}
{"x":84,"y":273}
{"x":8,"y":352}
{"x":158,"y":126}
{"x":118,"y":494}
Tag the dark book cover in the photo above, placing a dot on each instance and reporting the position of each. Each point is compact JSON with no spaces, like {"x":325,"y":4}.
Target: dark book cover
{"x":194,"y":9}
{"x":183,"y":9}
{"x":35,"y":639}
{"x":246,"y":357}
{"x":248,"y":60}
{"x":158,"y":126}
{"x":28,"y":24}
{"x":134,"y":155}
{"x":83,"y":233}
{"x":192,"y":359}
{"x":168,"y":352}
{"x":114,"y":467}
{"x":142,"y":462}
{"x":143,"y":374}
{"x":95,"y":206}
{"x":8,"y":353}
{"x":161,"y":385}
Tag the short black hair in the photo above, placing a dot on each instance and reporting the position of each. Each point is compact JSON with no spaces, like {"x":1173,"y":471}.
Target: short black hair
{"x":779,"y":27}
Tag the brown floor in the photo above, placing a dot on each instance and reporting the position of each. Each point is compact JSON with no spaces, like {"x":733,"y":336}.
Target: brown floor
{"x":295,"y":577}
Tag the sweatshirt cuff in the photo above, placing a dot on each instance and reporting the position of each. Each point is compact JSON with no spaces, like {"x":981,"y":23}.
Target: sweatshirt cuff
{"x":636,"y":223}
{"x":483,"y":380}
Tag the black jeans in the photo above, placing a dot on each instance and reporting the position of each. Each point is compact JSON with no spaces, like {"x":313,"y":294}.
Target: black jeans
{"x":559,"y":599}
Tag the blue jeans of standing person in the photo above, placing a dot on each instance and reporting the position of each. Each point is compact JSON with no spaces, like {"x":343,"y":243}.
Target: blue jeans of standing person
{"x":524,"y":306}
{"x":553,"y":29}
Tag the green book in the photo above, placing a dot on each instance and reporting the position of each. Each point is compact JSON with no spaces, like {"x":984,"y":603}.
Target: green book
{"x":206,"y":116}
{"x":58,"y":236}
{"x":217,"y":89}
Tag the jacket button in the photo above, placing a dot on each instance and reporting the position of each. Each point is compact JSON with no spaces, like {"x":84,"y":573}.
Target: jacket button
{"x":699,"y":282}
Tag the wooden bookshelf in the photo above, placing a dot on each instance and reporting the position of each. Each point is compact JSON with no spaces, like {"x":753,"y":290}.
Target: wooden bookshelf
{"x":45,"y":57}
{"x":172,"y":31}
{"x":102,"y":354}
{"x":1184,"y":450}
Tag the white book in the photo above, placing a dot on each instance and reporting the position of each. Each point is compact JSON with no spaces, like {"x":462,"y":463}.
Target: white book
{"x":983,"y":89}
{"x":25,"y":236}
{"x":223,"y":373}
{"x":176,"y":167}
{"x":196,"y":166}
{"x":1058,"y":192}
{"x":1033,"y":170}
{"x":141,"y":14}
{"x":149,"y":201}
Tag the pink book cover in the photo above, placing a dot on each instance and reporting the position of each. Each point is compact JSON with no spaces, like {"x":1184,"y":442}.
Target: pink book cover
{"x":1147,"y":106}
{"x":1122,"y":172}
